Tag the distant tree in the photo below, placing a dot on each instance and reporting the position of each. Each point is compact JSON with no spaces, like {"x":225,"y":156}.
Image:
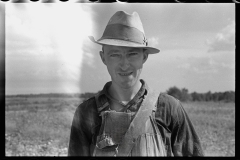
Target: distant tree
{"x":195,"y":96}
{"x":215,"y":97}
{"x":175,"y":92}
{"x":181,"y":94}
{"x":202,"y":97}
{"x":220,"y":96}
{"x":229,"y":96}
{"x":232,"y":96}
{"x":185,"y":96}
{"x":208,"y":96}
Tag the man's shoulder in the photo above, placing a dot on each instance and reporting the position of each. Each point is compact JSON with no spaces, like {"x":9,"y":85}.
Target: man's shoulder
{"x":89,"y":101}
{"x":86,"y":114}
{"x":88,"y":104}
{"x":167,"y":108}
{"x":164,"y":97}
{"x":166,"y":100}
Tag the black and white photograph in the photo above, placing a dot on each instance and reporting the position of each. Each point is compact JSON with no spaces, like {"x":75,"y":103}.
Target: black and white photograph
{"x":120,"y":79}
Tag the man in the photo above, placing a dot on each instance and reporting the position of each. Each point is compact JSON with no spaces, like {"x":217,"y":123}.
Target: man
{"x":127,"y":118}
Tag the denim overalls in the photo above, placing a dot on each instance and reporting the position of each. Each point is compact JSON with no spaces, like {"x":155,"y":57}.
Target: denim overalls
{"x":119,"y":136}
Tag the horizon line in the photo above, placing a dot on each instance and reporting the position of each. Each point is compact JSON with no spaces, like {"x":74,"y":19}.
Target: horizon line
{"x":62,"y":93}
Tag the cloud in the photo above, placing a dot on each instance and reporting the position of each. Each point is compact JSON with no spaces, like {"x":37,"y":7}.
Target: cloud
{"x":153,"y":41}
{"x":89,"y":56}
{"x":224,"y":40}
{"x":205,"y":65}
{"x":42,"y":32}
{"x":226,"y":65}
{"x":185,"y":66}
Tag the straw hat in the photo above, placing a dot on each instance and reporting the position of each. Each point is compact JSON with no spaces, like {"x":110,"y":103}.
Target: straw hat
{"x":126,"y":30}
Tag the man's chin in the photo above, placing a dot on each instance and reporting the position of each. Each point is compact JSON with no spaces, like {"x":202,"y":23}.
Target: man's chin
{"x":128,"y":84}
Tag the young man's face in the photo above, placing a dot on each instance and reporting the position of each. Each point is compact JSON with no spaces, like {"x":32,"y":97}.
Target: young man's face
{"x":124,"y":64}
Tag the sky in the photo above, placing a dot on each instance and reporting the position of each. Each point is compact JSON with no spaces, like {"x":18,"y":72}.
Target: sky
{"x":48,"y":50}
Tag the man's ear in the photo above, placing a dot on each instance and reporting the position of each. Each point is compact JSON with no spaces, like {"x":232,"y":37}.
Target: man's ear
{"x":101,"y":53}
{"x":145,"y":55}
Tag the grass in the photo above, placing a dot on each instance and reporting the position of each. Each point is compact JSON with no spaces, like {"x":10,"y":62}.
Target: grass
{"x":40,"y":126}
{"x":38,"y":129}
{"x":215,"y":124}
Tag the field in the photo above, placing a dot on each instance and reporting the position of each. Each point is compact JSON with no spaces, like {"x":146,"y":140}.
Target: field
{"x":215,"y":125}
{"x":40,"y":125}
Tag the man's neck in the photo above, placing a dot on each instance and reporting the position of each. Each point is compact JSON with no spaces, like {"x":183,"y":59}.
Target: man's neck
{"x":124,"y":95}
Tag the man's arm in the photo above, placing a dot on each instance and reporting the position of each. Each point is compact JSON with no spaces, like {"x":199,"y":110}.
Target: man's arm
{"x":177,"y":129}
{"x":79,"y":144}
{"x":185,"y":141}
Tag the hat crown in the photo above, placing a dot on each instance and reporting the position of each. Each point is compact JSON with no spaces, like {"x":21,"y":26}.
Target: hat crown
{"x":131,"y":20}
{"x":125,"y":30}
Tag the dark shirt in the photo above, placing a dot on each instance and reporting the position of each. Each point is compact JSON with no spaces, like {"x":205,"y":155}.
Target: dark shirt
{"x":132,"y":106}
{"x":177,"y":131}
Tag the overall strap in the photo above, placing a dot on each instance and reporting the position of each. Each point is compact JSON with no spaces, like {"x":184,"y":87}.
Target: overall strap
{"x":136,"y":126}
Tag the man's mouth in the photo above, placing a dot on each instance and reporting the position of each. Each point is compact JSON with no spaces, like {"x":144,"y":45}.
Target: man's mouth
{"x":125,"y":74}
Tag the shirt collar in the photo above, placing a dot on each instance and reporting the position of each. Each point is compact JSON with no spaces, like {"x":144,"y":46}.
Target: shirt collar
{"x":102,"y":100}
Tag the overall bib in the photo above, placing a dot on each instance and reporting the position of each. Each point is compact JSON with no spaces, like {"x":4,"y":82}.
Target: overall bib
{"x":119,"y":136}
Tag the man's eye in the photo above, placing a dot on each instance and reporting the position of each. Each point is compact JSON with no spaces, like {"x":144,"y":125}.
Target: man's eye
{"x":114,"y":55}
{"x":133,"y":53}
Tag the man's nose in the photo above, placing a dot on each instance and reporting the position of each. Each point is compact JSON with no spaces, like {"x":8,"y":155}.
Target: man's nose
{"x":124,"y":63}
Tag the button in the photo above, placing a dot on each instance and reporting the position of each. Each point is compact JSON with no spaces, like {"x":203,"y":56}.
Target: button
{"x":134,"y":139}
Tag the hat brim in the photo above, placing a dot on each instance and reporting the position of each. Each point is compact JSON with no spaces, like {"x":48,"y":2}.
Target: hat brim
{"x":115,"y":42}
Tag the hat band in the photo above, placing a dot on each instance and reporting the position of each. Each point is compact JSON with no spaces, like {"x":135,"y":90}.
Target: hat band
{"x":123,"y":32}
